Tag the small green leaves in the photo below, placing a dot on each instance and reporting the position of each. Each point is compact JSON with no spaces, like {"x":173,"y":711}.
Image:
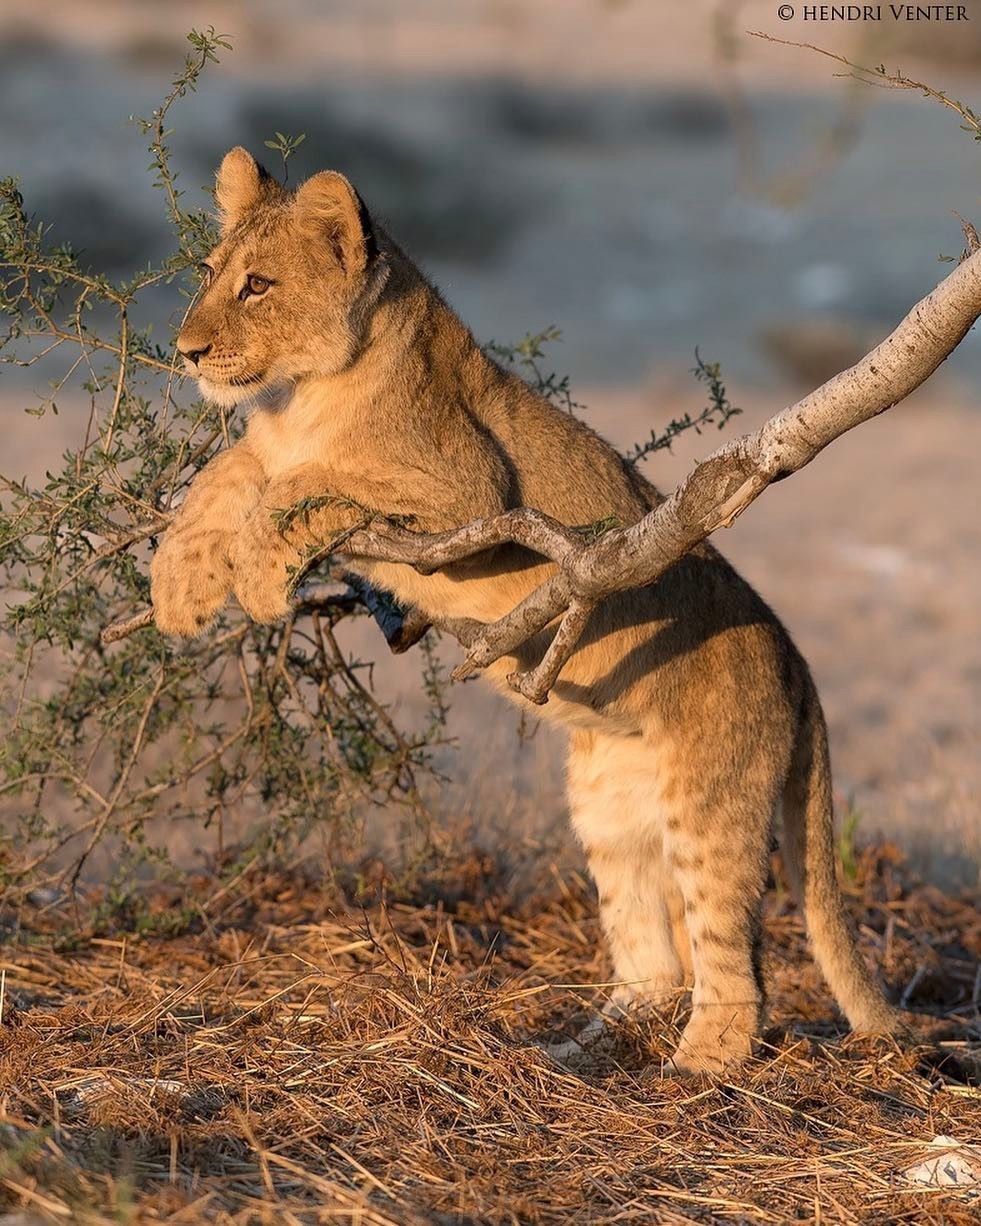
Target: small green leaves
{"x":193,"y":236}
{"x":527,"y":354}
{"x":123,"y":741}
{"x":592,"y":532}
{"x":207,"y":44}
{"x":285,"y":146}
{"x":718,"y":413}
{"x":285,"y":517}
{"x":848,"y":851}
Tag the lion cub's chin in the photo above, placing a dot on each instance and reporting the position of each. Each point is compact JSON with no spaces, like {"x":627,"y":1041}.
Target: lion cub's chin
{"x":273,"y":395}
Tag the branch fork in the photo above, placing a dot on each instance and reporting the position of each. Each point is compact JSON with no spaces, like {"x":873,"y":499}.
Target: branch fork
{"x":712,"y":496}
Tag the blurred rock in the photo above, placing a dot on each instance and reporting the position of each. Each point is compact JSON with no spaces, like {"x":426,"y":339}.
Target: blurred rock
{"x":605,"y":117}
{"x":813,"y":348}
{"x":105,"y":232}
{"x":953,"y":44}
{"x":153,"y":51}
{"x":44,"y":896}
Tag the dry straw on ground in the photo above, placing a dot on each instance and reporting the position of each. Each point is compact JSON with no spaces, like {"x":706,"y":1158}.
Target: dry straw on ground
{"x":301,"y":1057}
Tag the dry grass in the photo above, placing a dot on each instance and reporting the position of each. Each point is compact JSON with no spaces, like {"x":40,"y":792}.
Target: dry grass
{"x":303,"y":1058}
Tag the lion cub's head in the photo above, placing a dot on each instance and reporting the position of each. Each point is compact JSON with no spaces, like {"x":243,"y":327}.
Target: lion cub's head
{"x":286,"y":289}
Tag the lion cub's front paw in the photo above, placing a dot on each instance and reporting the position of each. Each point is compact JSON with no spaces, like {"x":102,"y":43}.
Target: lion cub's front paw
{"x":261,"y":561}
{"x":190,"y":579}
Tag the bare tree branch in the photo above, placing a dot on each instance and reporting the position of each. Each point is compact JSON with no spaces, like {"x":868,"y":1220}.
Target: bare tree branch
{"x":712,"y":496}
{"x":126,"y":626}
{"x":716,"y":491}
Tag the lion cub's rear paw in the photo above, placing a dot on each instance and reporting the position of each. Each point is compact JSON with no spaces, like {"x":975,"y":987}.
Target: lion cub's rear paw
{"x":190,"y":579}
{"x":716,"y":1038}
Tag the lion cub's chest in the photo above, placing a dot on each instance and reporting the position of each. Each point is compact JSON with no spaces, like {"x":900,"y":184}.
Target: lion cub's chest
{"x":293,"y":434}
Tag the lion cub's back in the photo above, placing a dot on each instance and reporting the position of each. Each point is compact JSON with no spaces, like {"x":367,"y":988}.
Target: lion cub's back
{"x":562,"y":466}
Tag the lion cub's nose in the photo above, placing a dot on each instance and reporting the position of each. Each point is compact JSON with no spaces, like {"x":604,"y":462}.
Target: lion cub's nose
{"x":193,"y":355}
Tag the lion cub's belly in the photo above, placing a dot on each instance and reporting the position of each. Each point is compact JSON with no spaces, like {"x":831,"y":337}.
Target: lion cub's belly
{"x":582,"y":698}
{"x":484,"y":598}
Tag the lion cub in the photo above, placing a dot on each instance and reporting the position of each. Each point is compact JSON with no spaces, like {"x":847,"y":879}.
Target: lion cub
{"x":692,"y":717}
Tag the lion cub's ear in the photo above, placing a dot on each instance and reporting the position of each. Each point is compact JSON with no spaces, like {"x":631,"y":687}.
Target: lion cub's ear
{"x":329,"y":208}
{"x":241,"y":184}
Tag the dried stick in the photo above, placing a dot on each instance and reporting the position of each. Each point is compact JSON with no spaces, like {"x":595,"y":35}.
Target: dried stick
{"x":126,"y":626}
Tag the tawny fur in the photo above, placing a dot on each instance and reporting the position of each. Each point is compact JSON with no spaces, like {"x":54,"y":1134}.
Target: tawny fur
{"x":692,"y":715}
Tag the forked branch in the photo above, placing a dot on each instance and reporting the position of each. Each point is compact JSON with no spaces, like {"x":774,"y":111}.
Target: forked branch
{"x":717,"y":490}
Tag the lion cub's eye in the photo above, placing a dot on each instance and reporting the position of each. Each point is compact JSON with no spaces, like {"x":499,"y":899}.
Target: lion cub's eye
{"x":254,"y":286}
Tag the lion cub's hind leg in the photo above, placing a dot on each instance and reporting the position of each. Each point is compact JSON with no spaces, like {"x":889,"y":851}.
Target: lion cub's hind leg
{"x":717,"y":848}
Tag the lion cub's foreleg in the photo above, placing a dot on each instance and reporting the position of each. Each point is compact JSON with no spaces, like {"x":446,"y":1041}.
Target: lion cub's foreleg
{"x":296,"y":513}
{"x":191,"y":572}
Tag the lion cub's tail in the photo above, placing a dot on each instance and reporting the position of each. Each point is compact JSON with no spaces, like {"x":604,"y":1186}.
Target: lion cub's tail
{"x":809,"y":851}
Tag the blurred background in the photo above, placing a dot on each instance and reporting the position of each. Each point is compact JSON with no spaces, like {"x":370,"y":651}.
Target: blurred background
{"x":649,"y":178}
